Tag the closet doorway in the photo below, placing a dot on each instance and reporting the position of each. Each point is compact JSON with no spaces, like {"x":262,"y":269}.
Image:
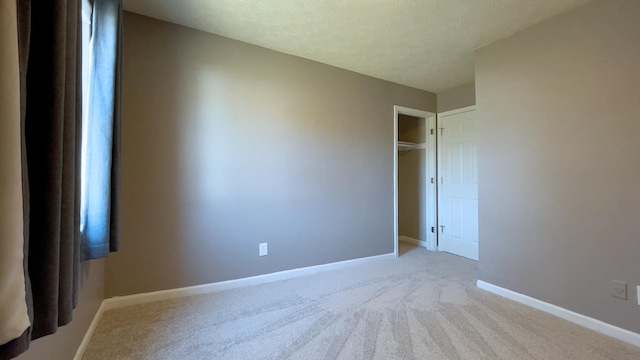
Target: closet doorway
{"x":414,"y":178}
{"x":436,"y":180}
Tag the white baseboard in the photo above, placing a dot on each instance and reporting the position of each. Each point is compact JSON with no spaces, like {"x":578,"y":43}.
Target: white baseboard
{"x":87,"y":335}
{"x":413,"y":241}
{"x":590,"y":323}
{"x":122,"y":301}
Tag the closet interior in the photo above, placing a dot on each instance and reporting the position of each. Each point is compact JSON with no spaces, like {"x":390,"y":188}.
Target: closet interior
{"x":415,"y":197}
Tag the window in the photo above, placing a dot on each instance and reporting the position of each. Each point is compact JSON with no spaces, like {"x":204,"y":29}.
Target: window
{"x":101,"y":34}
{"x":86,"y":72}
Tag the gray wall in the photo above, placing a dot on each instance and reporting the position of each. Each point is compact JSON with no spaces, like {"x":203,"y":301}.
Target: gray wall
{"x":63,"y":344}
{"x":456,"y":98}
{"x":559,"y":160}
{"x":227,"y":145}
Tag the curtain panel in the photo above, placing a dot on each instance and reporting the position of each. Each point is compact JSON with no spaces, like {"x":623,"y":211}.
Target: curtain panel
{"x":44,"y":239}
{"x":14,"y":316}
{"x":51,"y":116}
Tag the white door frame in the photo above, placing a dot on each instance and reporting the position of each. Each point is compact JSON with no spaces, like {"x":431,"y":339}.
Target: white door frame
{"x":430,"y":119}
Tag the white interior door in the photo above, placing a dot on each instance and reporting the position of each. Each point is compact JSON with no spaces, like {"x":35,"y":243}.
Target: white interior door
{"x":458,"y":185}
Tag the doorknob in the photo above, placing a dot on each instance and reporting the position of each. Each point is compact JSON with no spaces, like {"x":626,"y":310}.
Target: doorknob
{"x":441,"y":228}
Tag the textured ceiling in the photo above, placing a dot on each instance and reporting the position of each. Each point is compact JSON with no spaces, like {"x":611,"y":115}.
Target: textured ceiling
{"x":427,"y":44}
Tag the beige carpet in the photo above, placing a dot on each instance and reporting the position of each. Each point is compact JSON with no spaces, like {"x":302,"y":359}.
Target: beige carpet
{"x":422,"y":306}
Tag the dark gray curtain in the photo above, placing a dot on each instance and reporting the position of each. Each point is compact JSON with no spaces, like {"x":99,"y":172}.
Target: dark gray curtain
{"x":50,"y":52}
{"x":50,"y":66}
{"x":99,"y":213}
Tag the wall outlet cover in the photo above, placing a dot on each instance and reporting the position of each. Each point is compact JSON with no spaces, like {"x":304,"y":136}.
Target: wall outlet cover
{"x":619,"y":289}
{"x":263,"y":249}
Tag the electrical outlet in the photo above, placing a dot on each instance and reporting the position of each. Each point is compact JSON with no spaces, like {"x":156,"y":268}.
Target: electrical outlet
{"x":263,"y":249}
{"x":619,"y":289}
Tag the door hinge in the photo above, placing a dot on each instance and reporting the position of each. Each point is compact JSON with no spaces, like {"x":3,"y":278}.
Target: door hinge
{"x":433,"y":229}
{"x":433,"y":181}
{"x":431,"y":131}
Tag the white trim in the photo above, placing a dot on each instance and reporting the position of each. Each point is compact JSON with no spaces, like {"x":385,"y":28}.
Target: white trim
{"x":458,"y":111}
{"x":431,"y":195}
{"x":588,"y":322}
{"x":413,"y":112}
{"x":122,"y":301}
{"x":395,"y":181}
{"x":89,"y":334}
{"x":438,"y":161}
{"x":429,"y":144}
{"x":413,"y":241}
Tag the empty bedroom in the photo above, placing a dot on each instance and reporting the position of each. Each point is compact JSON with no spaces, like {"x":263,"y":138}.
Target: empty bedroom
{"x":323,"y":179}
